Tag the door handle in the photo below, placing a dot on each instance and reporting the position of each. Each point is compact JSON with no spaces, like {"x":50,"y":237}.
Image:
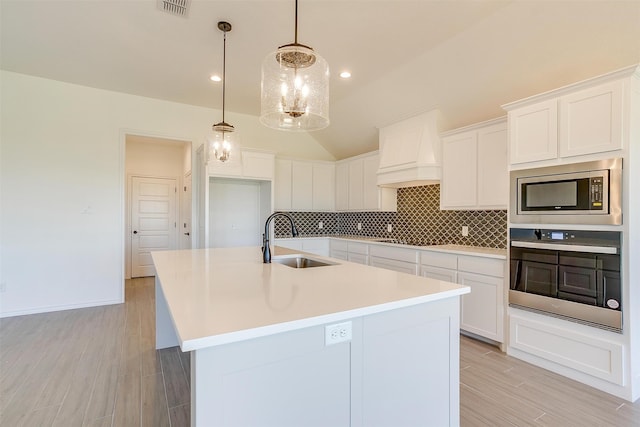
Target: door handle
{"x":186,"y":234}
{"x":135,"y":231}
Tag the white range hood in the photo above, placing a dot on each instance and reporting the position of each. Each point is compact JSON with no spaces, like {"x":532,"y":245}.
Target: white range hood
{"x":410,"y":152}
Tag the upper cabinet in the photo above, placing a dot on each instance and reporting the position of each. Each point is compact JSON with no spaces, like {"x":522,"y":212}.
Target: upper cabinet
{"x":245,"y":163}
{"x":357,"y":188}
{"x":533,"y":132}
{"x":304,"y":185}
{"x":475,"y":167}
{"x":342,"y":186}
{"x":587,"y":118}
{"x":591,"y":120}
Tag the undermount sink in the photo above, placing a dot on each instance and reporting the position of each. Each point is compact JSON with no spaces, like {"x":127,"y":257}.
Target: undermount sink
{"x":299,"y":261}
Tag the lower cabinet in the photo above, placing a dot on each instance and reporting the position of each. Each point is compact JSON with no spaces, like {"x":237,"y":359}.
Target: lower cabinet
{"x":581,"y":352}
{"x":438,"y":273}
{"x":394,"y":258}
{"x":482,"y":310}
{"x":392,"y":264}
{"x":314,"y":245}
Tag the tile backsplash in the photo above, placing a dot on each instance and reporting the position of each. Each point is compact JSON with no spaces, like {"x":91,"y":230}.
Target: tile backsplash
{"x":418,"y":220}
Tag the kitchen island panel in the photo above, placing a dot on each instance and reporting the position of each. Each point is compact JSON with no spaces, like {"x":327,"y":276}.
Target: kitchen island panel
{"x":400,"y":368}
{"x":288,"y":379}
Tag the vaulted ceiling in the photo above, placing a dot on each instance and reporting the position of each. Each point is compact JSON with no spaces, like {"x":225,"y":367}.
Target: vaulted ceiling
{"x":464,"y":57}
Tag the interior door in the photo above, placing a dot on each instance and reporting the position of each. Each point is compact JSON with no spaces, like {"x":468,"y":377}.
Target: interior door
{"x":153,"y":221}
{"x":185,"y":216}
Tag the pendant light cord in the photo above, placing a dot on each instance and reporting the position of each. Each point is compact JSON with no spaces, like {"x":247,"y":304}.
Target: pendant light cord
{"x":224,"y":69}
{"x":296,"y":27}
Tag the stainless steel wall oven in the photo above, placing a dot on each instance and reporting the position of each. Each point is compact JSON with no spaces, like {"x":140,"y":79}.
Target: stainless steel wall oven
{"x":569,"y":274}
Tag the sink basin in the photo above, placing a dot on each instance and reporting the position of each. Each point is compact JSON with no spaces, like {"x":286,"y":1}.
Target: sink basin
{"x":299,"y":261}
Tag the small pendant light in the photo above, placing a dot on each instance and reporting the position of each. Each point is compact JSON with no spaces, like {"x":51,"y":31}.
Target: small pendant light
{"x":295,"y":88}
{"x":222,"y":142}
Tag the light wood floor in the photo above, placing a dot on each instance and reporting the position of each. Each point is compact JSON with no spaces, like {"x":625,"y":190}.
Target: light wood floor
{"x":98,"y":367}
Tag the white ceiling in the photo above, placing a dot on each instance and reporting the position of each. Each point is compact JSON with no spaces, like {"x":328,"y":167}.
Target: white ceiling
{"x":464,"y":57}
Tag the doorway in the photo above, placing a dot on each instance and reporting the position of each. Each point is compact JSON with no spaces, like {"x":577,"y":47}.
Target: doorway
{"x":157,"y":199}
{"x":237,"y":211}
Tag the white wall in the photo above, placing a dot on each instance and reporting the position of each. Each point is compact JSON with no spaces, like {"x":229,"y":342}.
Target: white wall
{"x":63,"y":180}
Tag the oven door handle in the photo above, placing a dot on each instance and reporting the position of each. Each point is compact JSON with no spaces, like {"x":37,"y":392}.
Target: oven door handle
{"x":516,"y":276}
{"x":566,"y":247}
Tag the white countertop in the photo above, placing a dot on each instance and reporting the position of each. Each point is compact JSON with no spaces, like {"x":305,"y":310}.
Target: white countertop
{"x":219,"y":296}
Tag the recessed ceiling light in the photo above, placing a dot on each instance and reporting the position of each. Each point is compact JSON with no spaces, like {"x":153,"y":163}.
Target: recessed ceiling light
{"x":215,"y":78}
{"x":345,"y":74}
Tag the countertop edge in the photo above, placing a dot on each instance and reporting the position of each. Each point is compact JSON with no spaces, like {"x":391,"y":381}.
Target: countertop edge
{"x":263,"y":331}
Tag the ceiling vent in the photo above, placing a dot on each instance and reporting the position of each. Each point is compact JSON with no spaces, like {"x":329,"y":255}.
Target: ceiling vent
{"x":175,"y":7}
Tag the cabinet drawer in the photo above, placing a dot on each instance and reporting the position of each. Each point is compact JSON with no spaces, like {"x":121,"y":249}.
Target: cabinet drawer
{"x":390,"y":252}
{"x":439,"y":259}
{"x":357,"y":248}
{"x":338,"y":245}
{"x":358,"y":258}
{"x":392,"y":264}
{"x":548,"y":339}
{"x":439,"y":273}
{"x":339,"y":254}
{"x":480,"y":265}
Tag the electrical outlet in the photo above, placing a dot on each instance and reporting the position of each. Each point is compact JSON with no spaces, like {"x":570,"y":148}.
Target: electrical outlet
{"x":389,"y":228}
{"x":359,"y":226}
{"x":465,"y":231}
{"x":320,"y":225}
{"x":339,"y":332}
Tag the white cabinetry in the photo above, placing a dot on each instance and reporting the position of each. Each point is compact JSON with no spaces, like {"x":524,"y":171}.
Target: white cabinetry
{"x":403,"y":260}
{"x":475,"y":167}
{"x":440,"y":266}
{"x":244,"y":164}
{"x":301,"y":186}
{"x":304,"y":186}
{"x":356,"y":185}
{"x":576,"y":349}
{"x":342,"y":186}
{"x":482,"y":310}
{"x":591,"y":120}
{"x":312,"y":245}
{"x":282,"y":185}
{"x":583,"y":119}
{"x":482,"y":313}
{"x":357,"y":188}
{"x":533,"y":132}
{"x":358,"y":252}
{"x":338,"y":249}
{"x":348,"y":250}
{"x":323,"y":186}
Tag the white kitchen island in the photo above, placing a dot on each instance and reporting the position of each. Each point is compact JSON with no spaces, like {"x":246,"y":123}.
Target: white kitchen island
{"x":260,"y":337}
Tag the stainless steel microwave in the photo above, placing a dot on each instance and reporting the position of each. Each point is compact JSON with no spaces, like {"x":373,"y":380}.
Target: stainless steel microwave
{"x":578,"y":193}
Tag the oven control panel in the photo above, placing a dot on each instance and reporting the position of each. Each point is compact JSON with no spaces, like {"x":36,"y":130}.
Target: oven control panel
{"x":567,"y":237}
{"x":556,"y":235}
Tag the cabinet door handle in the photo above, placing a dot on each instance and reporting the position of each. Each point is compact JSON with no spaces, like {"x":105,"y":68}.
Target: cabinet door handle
{"x":135,"y":231}
{"x":186,"y":234}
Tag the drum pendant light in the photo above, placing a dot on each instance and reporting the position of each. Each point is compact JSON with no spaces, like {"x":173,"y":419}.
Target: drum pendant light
{"x":295,"y":88}
{"x":223,"y":140}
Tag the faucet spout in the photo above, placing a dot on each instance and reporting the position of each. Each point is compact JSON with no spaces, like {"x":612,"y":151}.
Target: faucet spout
{"x":266,"y":251}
